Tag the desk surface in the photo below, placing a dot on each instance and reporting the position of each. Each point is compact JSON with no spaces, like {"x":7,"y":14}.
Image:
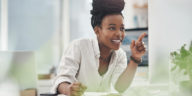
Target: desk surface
{"x":145,"y":90}
{"x":139,"y":87}
{"x":98,"y":94}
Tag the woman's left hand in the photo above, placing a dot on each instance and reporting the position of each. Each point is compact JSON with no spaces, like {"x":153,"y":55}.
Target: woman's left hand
{"x":137,"y":47}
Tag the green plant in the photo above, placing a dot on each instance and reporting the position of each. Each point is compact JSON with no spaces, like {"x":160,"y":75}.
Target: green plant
{"x":183,"y":60}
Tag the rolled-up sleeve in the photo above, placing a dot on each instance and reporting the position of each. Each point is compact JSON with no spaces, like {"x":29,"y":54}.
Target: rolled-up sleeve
{"x":120,"y":67}
{"x":68,"y":67}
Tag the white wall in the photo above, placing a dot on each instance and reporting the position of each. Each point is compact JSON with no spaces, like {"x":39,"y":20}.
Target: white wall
{"x":80,"y":19}
{"x":170,"y":26}
{"x":4,"y":24}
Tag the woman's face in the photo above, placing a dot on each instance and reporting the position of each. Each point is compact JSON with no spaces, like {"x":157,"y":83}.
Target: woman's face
{"x":111,"y":33}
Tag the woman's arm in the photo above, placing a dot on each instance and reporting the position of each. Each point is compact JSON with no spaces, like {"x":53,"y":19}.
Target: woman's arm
{"x":68,"y":67}
{"x":137,"y":50}
{"x":126,"y":77}
{"x":63,"y":88}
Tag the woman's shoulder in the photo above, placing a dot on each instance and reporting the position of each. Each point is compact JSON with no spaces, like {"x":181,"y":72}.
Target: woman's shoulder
{"x":82,"y":42}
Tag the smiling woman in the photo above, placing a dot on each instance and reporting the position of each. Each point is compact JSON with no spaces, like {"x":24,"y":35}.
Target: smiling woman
{"x":95,"y":64}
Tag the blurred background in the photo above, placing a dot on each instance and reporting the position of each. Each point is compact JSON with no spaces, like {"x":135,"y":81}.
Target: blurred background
{"x":34,"y":34}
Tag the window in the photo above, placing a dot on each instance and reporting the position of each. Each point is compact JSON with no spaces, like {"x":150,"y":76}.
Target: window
{"x":32,"y":25}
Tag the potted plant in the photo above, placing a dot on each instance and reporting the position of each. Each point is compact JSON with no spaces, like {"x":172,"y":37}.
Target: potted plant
{"x":182,"y":61}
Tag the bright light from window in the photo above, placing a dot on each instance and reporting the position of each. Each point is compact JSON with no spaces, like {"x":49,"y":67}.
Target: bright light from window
{"x":4,"y":24}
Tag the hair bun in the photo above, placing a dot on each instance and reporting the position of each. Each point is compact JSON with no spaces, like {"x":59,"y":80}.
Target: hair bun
{"x":107,"y":6}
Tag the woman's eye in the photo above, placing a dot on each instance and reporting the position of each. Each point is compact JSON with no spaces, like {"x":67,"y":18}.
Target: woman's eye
{"x":111,"y":28}
{"x":122,"y":29}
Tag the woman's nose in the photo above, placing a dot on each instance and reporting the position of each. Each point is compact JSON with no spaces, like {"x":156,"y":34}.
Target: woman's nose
{"x":119,"y":34}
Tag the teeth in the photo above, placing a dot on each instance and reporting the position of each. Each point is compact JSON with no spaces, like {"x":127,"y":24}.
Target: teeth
{"x":117,"y":41}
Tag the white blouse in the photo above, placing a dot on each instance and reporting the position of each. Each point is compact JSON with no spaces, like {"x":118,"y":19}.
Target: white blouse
{"x":80,"y":62}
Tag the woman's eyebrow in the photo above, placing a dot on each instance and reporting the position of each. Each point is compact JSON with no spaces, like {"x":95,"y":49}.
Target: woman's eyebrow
{"x":115,"y":24}
{"x":112,"y":24}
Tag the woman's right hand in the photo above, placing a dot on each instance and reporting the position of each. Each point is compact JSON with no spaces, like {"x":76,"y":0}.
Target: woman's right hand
{"x":76,"y":89}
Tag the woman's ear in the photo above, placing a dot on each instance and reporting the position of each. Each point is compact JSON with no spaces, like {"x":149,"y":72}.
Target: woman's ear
{"x":96,"y":30}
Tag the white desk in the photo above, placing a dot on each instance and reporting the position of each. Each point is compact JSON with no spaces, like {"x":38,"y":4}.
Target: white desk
{"x":139,"y":87}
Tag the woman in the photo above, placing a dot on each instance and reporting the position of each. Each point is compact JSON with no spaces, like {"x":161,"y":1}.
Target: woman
{"x":96,"y":64}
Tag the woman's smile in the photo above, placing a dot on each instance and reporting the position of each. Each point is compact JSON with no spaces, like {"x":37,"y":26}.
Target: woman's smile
{"x":116,"y":42}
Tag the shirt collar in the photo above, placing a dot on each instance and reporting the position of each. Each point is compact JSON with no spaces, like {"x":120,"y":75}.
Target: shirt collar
{"x":96,"y":48}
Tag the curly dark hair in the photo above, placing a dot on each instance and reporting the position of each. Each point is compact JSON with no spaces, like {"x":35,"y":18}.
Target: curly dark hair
{"x":101,"y":8}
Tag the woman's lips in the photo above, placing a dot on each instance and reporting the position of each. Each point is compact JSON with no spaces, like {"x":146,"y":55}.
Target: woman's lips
{"x":118,"y":41}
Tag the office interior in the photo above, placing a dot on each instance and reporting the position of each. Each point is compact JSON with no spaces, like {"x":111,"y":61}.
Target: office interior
{"x":35,"y":33}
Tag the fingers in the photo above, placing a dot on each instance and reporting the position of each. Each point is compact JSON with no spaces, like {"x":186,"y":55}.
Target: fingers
{"x":77,"y":89}
{"x":141,"y":37}
{"x":74,"y":93}
{"x":139,"y":41}
{"x":77,"y":83}
{"x":139,"y":44}
{"x":75,"y":86}
{"x":80,"y":86}
{"x":140,"y":47}
{"x":83,"y":87}
{"x":132,"y":44}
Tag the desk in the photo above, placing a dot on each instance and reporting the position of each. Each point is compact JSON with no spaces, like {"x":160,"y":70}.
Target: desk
{"x":97,"y":94}
{"x":150,"y":90}
{"x":139,"y":87}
